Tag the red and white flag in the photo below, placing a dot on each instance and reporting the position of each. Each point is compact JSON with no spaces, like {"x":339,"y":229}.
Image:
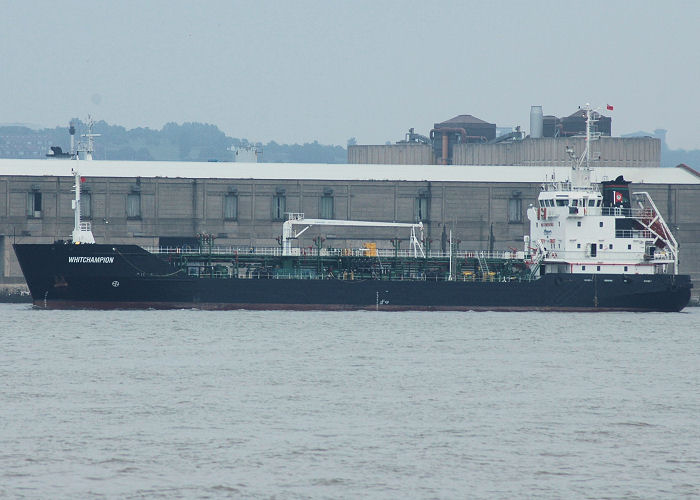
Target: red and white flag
{"x":617,"y":197}
{"x":609,"y":107}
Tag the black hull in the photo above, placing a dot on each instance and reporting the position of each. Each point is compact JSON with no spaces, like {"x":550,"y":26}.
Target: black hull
{"x":136,"y":279}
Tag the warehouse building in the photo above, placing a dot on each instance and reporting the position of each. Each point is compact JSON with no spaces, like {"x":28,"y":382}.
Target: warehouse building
{"x":168,"y":203}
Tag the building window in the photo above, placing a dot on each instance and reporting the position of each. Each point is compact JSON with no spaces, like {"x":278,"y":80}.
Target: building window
{"x":34,"y":204}
{"x":421,"y":208}
{"x":515,"y":210}
{"x":326,"y":207}
{"x":133,"y":205}
{"x":231,"y":207}
{"x":279,"y":206}
{"x":85,"y":205}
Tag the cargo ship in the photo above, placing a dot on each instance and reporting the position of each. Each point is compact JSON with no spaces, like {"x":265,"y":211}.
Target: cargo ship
{"x":591,"y":247}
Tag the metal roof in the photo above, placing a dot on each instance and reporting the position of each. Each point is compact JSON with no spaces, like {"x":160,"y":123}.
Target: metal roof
{"x":333,"y":172}
{"x":465,"y":119}
{"x":581,"y":113}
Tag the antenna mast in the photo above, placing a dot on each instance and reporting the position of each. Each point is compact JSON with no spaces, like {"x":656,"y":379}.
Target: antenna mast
{"x":581,"y":175}
{"x":90,"y":146}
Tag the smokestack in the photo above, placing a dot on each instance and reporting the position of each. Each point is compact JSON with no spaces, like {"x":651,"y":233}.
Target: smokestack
{"x":536,"y":122}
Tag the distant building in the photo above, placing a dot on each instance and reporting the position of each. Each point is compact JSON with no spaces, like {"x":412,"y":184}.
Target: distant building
{"x":462,"y":129}
{"x":246,"y":154}
{"x":467,"y":140}
{"x":29,"y":146}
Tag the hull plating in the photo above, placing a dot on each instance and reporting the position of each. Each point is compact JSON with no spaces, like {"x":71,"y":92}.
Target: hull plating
{"x":126,"y":276}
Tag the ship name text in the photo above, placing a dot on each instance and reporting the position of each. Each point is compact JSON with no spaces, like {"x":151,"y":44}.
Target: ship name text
{"x":91,"y":260}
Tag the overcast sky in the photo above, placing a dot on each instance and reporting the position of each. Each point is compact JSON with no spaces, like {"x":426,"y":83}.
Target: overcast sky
{"x":298,"y":71}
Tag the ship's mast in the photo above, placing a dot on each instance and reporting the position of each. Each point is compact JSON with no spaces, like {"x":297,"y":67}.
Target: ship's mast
{"x":89,"y":147}
{"x":76,"y":202}
{"x":581,"y":170}
{"x":82,"y":231}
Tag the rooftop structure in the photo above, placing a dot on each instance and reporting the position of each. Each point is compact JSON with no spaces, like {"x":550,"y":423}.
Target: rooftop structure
{"x":312,"y":171}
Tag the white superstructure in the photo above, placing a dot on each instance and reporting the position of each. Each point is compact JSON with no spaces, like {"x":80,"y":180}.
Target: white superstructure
{"x":577,"y":228}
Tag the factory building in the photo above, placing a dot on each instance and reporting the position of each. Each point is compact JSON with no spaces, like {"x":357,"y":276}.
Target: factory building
{"x":168,"y":203}
{"x":615,"y":152}
{"x":462,"y":129}
{"x":553,"y":141}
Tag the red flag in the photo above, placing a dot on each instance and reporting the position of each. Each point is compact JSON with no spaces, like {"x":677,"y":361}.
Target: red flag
{"x":609,"y":106}
{"x":82,"y":179}
{"x":617,"y":196}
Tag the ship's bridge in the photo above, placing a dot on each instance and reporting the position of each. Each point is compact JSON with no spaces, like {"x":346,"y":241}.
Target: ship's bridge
{"x":570,"y":199}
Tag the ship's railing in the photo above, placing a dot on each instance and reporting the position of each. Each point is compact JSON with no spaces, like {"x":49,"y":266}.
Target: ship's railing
{"x":632,"y":233}
{"x":466,"y":277}
{"x":335,"y":252}
{"x":568,"y":186}
{"x":216,"y":250}
{"x":636,"y":213}
{"x":662,"y":256}
{"x":85,"y":226}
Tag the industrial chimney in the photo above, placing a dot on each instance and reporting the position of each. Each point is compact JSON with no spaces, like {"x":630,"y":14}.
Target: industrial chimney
{"x":536,"y":121}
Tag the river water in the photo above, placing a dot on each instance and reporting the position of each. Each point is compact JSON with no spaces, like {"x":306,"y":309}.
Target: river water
{"x":244,"y":404}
